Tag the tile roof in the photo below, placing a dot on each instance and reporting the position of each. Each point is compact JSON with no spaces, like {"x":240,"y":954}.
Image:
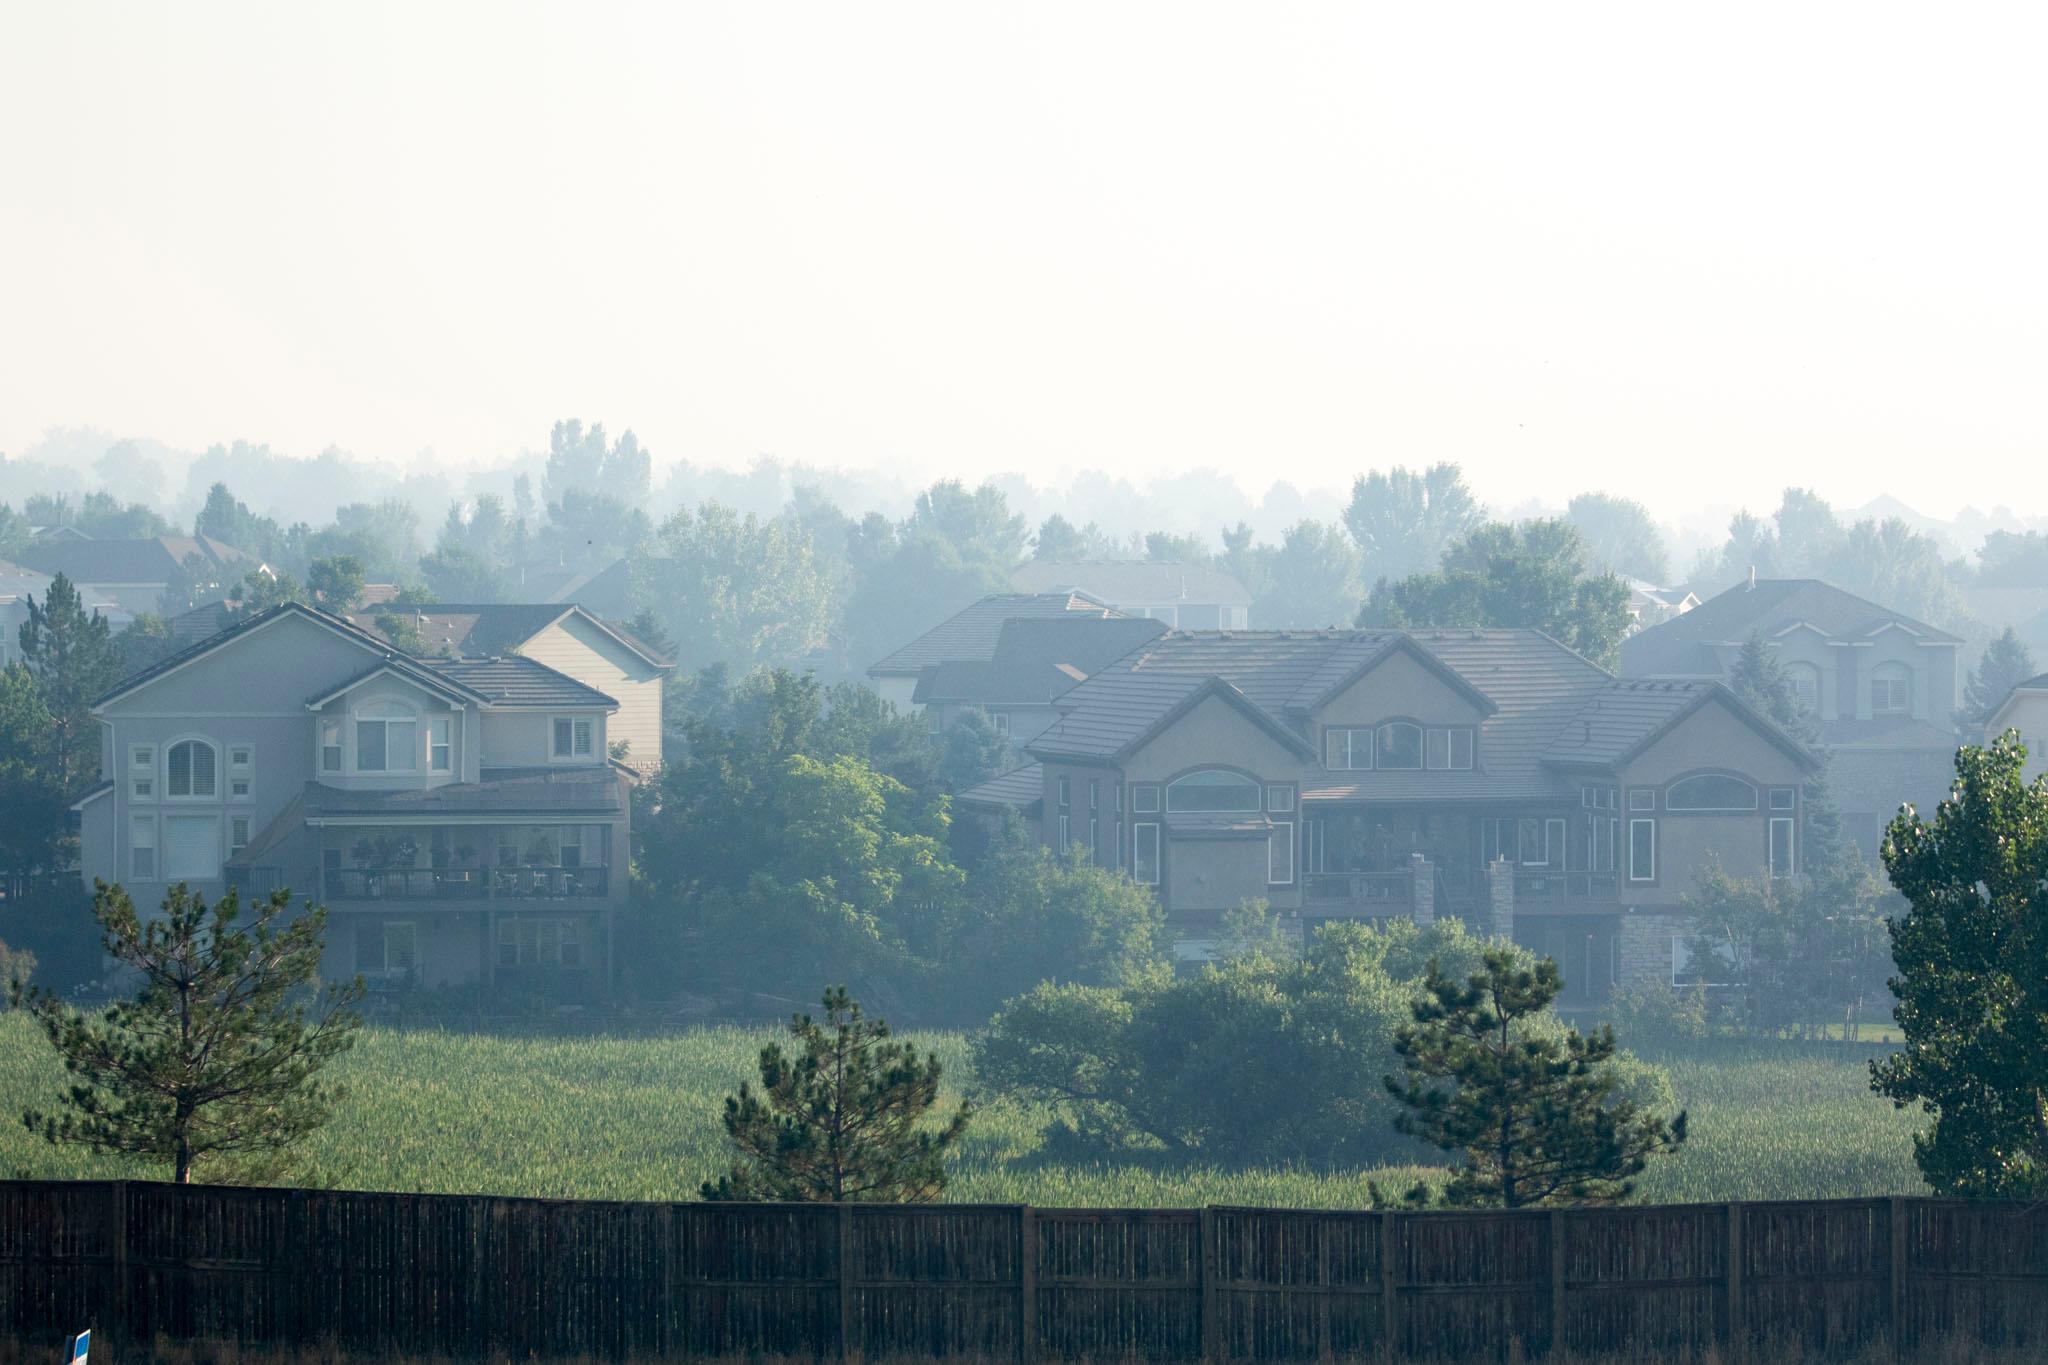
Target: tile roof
{"x":340,"y":625}
{"x":502,"y":791}
{"x":1618,"y":718}
{"x":1019,"y":787}
{"x":518,"y":681}
{"x":1684,"y":645}
{"x":1037,"y":659}
{"x":1137,"y":582}
{"x":971,"y":633}
{"x":152,"y":560}
{"x":479,"y":630}
{"x":1888,"y":732}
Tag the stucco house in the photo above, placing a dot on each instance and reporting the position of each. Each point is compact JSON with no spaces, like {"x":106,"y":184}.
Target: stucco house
{"x":458,"y":817}
{"x":1184,"y":596}
{"x":564,"y":636}
{"x":970,"y":635}
{"x":2024,"y":709}
{"x":133,"y":573}
{"x":1037,"y":660}
{"x":1883,"y":685}
{"x":1372,"y":774}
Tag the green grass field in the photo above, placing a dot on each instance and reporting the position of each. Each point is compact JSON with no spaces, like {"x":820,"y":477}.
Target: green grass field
{"x":637,"y":1119}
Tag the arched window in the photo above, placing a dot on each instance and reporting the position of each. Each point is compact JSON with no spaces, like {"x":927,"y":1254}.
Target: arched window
{"x":1710,"y":791}
{"x":1213,"y":789}
{"x":192,"y":769}
{"x":1891,"y":690}
{"x":387,"y":738}
{"x":1805,"y":681}
{"x":1399,"y":745}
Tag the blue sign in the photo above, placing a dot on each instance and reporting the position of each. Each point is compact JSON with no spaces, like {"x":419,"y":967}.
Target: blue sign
{"x":81,"y":1347}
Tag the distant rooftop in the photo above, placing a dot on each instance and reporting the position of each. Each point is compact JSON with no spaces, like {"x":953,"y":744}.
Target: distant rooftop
{"x":1128,"y":583}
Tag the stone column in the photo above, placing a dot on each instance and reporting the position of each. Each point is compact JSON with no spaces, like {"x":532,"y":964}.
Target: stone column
{"x":1500,"y":887}
{"x":1422,"y":899}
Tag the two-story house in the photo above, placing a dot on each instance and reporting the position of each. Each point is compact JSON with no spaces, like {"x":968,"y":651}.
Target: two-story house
{"x":133,"y":574}
{"x":1882,"y":685}
{"x":459,"y":818}
{"x":969,"y":636}
{"x":1184,"y":596}
{"x":2024,"y":709}
{"x":1369,"y":774}
{"x":1037,"y":660}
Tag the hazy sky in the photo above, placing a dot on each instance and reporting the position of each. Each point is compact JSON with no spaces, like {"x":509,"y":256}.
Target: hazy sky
{"x":1685,"y":253}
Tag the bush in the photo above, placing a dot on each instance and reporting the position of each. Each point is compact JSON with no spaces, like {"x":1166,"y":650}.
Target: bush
{"x":17,"y":966}
{"x":1655,"y":1017}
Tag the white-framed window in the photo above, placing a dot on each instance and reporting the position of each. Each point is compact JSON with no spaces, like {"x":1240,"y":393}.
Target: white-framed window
{"x":191,"y":847}
{"x":1145,"y":853}
{"x":1280,"y":800}
{"x":1553,"y":842}
{"x":1145,"y":798}
{"x":1213,"y":790}
{"x":1347,"y":750}
{"x":1805,"y":681}
{"x":1891,"y":690}
{"x":1398,"y":744}
{"x":1710,"y":792}
{"x":142,"y":772}
{"x":1446,"y":748}
{"x":1001,"y":720}
{"x":1280,"y":855}
{"x":238,"y":834}
{"x":539,"y":942}
{"x":387,"y":738}
{"x":241,"y":771}
{"x":1783,"y":863}
{"x":439,"y":750}
{"x":1784,"y":798}
{"x":191,"y":771}
{"x":1642,"y":850}
{"x":142,"y":848}
{"x":330,"y":744}
{"x":1529,"y":851}
{"x":1642,"y":798}
{"x":575,"y":737}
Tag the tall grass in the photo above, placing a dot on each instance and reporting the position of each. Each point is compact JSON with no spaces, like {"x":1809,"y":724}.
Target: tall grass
{"x":609,"y":1118}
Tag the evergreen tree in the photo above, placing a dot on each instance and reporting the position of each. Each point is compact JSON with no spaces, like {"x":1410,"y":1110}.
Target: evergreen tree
{"x":973,"y":751}
{"x":1535,"y":1115}
{"x":1972,"y":995}
{"x":218,"y":1054}
{"x":2007,"y":663}
{"x":72,"y":658}
{"x":33,"y":818}
{"x":840,"y":1121}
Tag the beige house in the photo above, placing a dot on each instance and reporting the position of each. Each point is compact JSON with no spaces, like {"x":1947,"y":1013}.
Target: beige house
{"x":2024,"y":709}
{"x":970,"y":636}
{"x":1489,"y":774}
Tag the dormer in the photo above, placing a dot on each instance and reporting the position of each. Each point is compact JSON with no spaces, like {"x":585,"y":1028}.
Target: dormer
{"x":1403,"y":708}
{"x":394,"y":726}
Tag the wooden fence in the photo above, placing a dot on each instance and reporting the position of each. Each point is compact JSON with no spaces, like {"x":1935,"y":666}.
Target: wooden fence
{"x":396,"y":1274}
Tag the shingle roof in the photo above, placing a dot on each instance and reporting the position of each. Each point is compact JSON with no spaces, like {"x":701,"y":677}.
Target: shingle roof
{"x":1018,"y":788}
{"x":1132,"y":581}
{"x":481,"y":630}
{"x":1037,"y":659}
{"x":128,"y":561}
{"x":971,"y":633}
{"x":503,"y":791}
{"x":518,"y":681}
{"x":1684,"y":645}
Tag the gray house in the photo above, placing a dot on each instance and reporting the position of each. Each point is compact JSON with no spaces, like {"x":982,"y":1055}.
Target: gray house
{"x":459,"y":818}
{"x":1882,"y":685}
{"x":1037,"y":660}
{"x":1184,"y":596}
{"x":133,"y":573}
{"x":969,"y":636}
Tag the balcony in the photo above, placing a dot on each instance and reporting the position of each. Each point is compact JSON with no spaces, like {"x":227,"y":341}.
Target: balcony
{"x":1389,"y":893}
{"x":1551,"y":886}
{"x":415,"y":884}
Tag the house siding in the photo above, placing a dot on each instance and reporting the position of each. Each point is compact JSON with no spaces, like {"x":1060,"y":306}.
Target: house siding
{"x":578,"y":648}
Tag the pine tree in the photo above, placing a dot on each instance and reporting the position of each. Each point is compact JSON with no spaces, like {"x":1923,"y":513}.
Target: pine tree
{"x":217,"y":1055}
{"x":2007,"y":663}
{"x":1533,"y":1112}
{"x":839,"y":1121}
{"x":1972,"y":998}
{"x":72,"y":657}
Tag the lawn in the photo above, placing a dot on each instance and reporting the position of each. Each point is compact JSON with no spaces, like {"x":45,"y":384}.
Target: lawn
{"x":638,"y":1119}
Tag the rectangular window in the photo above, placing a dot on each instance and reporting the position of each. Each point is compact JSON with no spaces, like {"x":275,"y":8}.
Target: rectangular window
{"x":1783,"y":798}
{"x":143,"y":789}
{"x":371,"y":745}
{"x":1001,"y":720}
{"x":142,"y":758}
{"x":1347,"y":750}
{"x":238,"y":834}
{"x":438,"y":749}
{"x":1781,"y":846}
{"x":1094,"y":794}
{"x":1529,"y":843}
{"x":1553,"y":843}
{"x":1461,"y":750}
{"x":1066,"y":831}
{"x":1145,"y":854}
{"x":241,"y":770}
{"x":1642,"y":850}
{"x":1280,"y":856}
{"x":1890,"y":696}
{"x":1066,"y":792}
{"x":1145,"y":799}
{"x":573,"y":738}
{"x":1280,"y":800}
{"x":330,"y":746}
{"x":401,"y":946}
{"x":1094,"y":834}
{"x":1436,"y":750}
{"x":142,"y":772}
{"x":1642,"y":798}
{"x":142,"y":848}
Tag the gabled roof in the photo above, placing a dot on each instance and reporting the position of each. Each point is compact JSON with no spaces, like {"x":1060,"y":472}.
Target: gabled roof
{"x":2033,"y":686}
{"x":516,"y":681}
{"x":971,"y":633}
{"x":482,"y":630}
{"x":1036,"y":659}
{"x":1628,"y":715}
{"x":170,"y":663}
{"x":1684,"y":645}
{"x":1137,"y":582}
{"x":152,"y":560}
{"x":1018,"y":788}
{"x":397,"y":666}
{"x":1123,"y":709}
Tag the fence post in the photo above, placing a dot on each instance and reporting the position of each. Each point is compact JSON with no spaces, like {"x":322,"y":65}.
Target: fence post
{"x":1556,"y":1281}
{"x":849,"y":1341}
{"x":1325,"y":1348}
{"x":1390,"y":1303}
{"x":1895,"y":1257}
{"x":124,"y":1292}
{"x":1027,"y":1284}
{"x":1205,"y":1233}
{"x":1734,"y":1288}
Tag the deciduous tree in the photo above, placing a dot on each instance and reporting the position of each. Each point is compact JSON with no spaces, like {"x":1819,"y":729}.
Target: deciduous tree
{"x":1403,"y":521}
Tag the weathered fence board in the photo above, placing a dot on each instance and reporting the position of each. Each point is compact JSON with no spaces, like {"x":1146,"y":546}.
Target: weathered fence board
{"x":384,"y":1275}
